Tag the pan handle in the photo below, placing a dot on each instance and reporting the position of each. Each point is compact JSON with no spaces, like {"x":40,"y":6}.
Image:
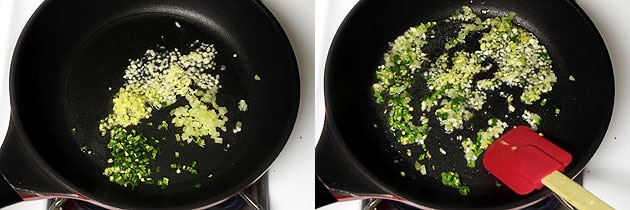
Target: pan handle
{"x":8,"y":196}
{"x":323,"y":197}
{"x":23,"y":177}
{"x":338,"y":174}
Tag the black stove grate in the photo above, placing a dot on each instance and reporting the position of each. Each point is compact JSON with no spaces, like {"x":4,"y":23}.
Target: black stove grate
{"x":259,"y":192}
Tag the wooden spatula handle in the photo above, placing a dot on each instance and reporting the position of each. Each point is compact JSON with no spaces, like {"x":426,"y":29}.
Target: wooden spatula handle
{"x":572,"y":192}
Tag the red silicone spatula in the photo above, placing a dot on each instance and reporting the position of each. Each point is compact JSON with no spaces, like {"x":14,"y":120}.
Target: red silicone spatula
{"x":525,"y":161}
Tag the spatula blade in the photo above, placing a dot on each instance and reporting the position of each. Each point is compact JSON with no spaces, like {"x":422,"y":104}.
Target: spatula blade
{"x":520,"y":158}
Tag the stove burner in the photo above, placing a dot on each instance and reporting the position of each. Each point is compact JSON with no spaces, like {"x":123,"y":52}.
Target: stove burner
{"x":550,"y":203}
{"x":234,"y":203}
{"x":258,"y":192}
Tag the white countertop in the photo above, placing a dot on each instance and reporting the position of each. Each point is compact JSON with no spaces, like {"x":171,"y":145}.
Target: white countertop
{"x":291,"y":175}
{"x":607,"y":173}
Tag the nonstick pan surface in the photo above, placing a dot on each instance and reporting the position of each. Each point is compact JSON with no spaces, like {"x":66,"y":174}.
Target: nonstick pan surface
{"x":361,"y":136}
{"x":72,"y":53}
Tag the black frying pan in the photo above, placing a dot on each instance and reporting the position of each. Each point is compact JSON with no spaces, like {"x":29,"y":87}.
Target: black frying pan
{"x":357,"y":157}
{"x":72,"y":52}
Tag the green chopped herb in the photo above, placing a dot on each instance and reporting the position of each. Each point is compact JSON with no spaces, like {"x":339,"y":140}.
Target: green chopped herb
{"x":451,"y":179}
{"x":177,"y":154}
{"x":131,"y":156}
{"x":163,"y":183}
{"x":544,"y":56}
{"x":73,"y":131}
{"x":163,"y":126}
{"x":493,"y":122}
{"x":200,"y":141}
{"x":197,"y":185}
{"x":150,"y":123}
{"x":498,"y":184}
{"x":191,"y":170}
{"x":464,"y":190}
{"x":421,"y":157}
{"x":533,"y":119}
{"x":543,"y":102}
{"x":513,"y":38}
{"x":442,"y":115}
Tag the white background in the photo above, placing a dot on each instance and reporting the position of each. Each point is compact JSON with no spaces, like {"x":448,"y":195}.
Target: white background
{"x":608,"y":173}
{"x":291,"y":175}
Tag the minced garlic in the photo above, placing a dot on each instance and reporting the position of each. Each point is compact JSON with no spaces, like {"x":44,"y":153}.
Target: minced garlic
{"x":158,"y":79}
{"x":242,"y":105}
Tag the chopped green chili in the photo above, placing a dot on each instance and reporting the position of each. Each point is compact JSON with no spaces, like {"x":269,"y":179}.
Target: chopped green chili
{"x":498,"y":184}
{"x":451,"y":179}
{"x":163,"y":126}
{"x":131,"y":155}
{"x":543,"y":102}
{"x":163,"y":183}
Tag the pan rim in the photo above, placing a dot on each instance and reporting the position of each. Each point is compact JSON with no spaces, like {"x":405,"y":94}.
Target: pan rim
{"x":330,"y":112}
{"x":287,"y":51}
